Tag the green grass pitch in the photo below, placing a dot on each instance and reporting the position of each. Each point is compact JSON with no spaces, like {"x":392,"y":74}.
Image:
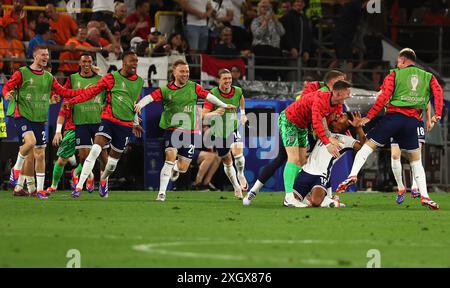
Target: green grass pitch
{"x":199,"y":229}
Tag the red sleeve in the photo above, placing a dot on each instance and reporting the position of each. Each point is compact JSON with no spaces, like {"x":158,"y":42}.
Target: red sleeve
{"x":383,"y":98}
{"x":68,"y":83}
{"x":156,"y":95}
{"x":311,"y":87}
{"x":320,"y":106}
{"x":438,"y":96}
{"x":105,"y":83}
{"x":13,"y":82}
{"x":208,"y":105}
{"x":63,"y":110}
{"x":64,"y":92}
{"x":201,"y":92}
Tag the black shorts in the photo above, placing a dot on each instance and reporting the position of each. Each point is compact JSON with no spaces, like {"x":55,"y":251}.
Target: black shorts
{"x":25,"y":126}
{"x":398,"y":128}
{"x":223,"y":145}
{"x":117,"y":134}
{"x":305,"y":182}
{"x":183,"y":142}
{"x":85,"y":135}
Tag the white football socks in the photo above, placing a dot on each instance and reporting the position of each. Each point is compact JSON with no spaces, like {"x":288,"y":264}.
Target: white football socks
{"x":419,"y":175}
{"x":164,"y":177}
{"x":360,"y":159}
{"x":396,"y":165}
{"x":89,"y":164}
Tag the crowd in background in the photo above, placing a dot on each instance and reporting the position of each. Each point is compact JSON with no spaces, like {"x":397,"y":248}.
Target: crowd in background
{"x":269,"y":30}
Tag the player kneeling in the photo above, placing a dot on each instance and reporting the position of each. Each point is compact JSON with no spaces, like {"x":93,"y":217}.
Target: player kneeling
{"x":312,"y":182}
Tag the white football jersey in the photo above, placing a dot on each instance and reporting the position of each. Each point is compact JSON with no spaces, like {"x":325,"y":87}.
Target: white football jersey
{"x":320,"y":160}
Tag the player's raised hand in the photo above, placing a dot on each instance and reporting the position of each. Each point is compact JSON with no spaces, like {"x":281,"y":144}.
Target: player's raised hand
{"x":138,"y":130}
{"x":430,"y":124}
{"x":333,"y":149}
{"x":357,"y":119}
{"x":57,"y":139}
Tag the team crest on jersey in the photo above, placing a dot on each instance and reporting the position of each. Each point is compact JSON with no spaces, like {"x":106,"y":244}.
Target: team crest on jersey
{"x":100,"y":128}
{"x":78,"y":141}
{"x":28,"y":97}
{"x":291,"y":138}
{"x":414,"y":82}
{"x":24,"y":128}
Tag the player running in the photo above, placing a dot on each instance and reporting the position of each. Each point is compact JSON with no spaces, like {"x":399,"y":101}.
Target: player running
{"x":312,"y":182}
{"x":118,"y":119}
{"x":224,"y":129}
{"x":29,"y":90}
{"x":407,"y":90}
{"x":330,"y":78}
{"x":396,"y":163}
{"x":82,"y":122}
{"x":178,"y":119}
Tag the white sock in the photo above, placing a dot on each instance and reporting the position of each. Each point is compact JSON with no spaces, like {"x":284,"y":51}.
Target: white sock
{"x":164,"y":177}
{"x":419,"y":175}
{"x":257,"y":186}
{"x":231,"y":173}
{"x":175,"y":167}
{"x":396,"y":165}
{"x":109,"y":168}
{"x":360,"y":159}
{"x":40,"y":179}
{"x":89,"y":164}
{"x":20,"y":182}
{"x":414,"y":185}
{"x":31,"y":184}
{"x":326,"y":202}
{"x":19,"y":162}
{"x":239,"y":160}
{"x":72,"y":160}
{"x":329,"y":192}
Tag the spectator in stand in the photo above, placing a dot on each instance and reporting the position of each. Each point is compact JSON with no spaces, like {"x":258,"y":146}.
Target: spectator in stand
{"x":11,"y":47}
{"x":44,"y":37}
{"x":140,"y":21}
{"x":102,"y":37}
{"x":196,"y":29}
{"x":157,"y":44}
{"x":267,"y":31}
{"x":241,"y":38}
{"x":226,"y":48}
{"x":298,"y":38}
{"x":220,"y":18}
{"x":63,"y":23}
{"x":177,"y":48}
{"x":19,"y":15}
{"x":81,"y":45}
{"x":344,"y":33}
{"x":285,"y":7}
{"x":236,"y":75}
{"x":103,"y":11}
{"x":120,"y":29}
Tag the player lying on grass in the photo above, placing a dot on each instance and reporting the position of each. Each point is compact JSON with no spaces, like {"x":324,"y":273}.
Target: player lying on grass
{"x":312,"y":182}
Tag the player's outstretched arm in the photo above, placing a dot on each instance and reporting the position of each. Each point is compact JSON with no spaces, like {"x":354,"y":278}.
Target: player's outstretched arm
{"x":155,"y":96}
